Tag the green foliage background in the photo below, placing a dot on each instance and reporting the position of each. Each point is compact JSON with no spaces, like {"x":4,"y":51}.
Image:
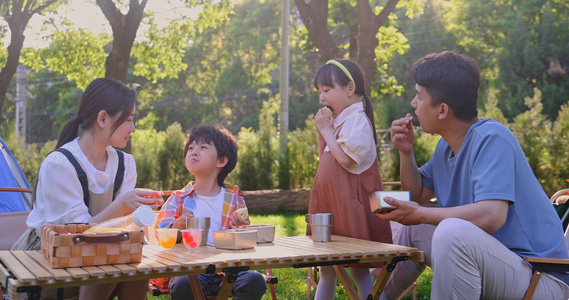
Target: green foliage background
{"x":222,"y":66}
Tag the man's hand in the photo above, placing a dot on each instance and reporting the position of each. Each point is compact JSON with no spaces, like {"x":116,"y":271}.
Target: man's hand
{"x":488,"y":215}
{"x":406,"y":212}
{"x":402,"y":134}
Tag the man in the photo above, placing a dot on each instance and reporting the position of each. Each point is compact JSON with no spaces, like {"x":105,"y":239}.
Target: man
{"x":492,"y":210}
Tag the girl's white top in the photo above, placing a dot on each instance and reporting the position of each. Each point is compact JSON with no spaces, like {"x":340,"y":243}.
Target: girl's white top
{"x":59,"y":196}
{"x":355,"y":137}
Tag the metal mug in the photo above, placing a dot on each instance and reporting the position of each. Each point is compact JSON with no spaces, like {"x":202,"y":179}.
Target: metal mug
{"x":200,"y":223}
{"x":321,"y":225}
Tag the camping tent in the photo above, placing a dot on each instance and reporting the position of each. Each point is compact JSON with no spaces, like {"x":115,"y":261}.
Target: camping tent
{"x":14,"y":206}
{"x":11,"y":175}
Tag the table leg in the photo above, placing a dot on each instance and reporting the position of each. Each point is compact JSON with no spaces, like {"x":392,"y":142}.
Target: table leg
{"x":226,"y":288}
{"x":34,"y":292}
{"x":196,"y":287}
{"x":346,"y":282}
{"x":384,"y":276}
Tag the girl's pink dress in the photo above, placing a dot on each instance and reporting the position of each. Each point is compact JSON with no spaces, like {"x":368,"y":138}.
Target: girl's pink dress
{"x":346,"y":196}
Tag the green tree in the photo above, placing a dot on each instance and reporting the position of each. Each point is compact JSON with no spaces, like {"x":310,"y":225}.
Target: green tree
{"x":520,"y":45}
{"x":425,"y":33}
{"x":76,"y":53}
{"x":532,"y":129}
{"x":17,"y":13}
{"x":362,"y":21}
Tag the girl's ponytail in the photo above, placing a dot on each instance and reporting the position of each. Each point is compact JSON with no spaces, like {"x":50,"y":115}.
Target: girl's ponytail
{"x":369,"y":113}
{"x":69,"y":132}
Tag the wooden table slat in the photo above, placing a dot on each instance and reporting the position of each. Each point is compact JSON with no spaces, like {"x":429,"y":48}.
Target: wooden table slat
{"x":111,"y":269}
{"x":78,"y":273}
{"x":140,"y":267}
{"x":58,"y":274}
{"x":126,"y":269}
{"x":39,"y":272}
{"x":94,"y":271}
{"x":16,"y":267}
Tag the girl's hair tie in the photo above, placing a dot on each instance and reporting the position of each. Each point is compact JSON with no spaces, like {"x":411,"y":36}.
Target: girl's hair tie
{"x":77,"y":120}
{"x":341,"y":66}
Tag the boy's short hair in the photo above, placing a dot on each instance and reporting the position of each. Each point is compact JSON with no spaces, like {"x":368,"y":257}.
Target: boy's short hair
{"x":451,"y":78}
{"x":224,"y":142}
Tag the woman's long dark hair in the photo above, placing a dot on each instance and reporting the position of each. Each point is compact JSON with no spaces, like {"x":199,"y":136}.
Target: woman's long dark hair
{"x":105,"y":94}
{"x":329,"y":74}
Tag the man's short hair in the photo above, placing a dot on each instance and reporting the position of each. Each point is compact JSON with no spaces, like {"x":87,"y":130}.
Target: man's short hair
{"x":450,"y":78}
{"x":224,"y":142}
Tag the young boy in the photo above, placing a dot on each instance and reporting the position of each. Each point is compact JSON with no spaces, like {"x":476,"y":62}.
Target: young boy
{"x":210,"y":154}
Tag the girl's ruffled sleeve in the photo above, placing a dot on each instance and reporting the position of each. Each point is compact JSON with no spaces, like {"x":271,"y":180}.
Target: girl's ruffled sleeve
{"x":356,"y":138}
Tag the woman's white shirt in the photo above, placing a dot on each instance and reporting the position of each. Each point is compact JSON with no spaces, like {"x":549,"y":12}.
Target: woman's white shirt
{"x":59,"y":195}
{"x":355,"y":137}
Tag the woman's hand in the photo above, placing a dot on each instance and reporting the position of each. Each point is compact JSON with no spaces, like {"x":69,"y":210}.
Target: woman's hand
{"x":237,"y":221}
{"x":323,"y":120}
{"x":182,"y":221}
{"x":134,"y":198}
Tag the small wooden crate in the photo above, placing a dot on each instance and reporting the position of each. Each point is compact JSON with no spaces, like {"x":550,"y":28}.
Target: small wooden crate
{"x":65,"y":247}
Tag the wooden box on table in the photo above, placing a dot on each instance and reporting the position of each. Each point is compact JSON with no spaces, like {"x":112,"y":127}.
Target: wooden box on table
{"x":65,"y":246}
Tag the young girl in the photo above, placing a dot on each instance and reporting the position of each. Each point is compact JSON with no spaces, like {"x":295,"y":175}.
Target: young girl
{"x":348,"y":172}
{"x":106,"y":114}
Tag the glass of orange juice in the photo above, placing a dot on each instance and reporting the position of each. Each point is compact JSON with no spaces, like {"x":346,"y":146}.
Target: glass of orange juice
{"x":167,"y":237}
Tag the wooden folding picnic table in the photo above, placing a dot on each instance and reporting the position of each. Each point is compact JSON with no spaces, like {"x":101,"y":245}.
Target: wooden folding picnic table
{"x":29,"y":271}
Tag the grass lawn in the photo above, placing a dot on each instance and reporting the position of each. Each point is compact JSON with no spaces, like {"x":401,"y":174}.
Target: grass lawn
{"x":292,"y":282}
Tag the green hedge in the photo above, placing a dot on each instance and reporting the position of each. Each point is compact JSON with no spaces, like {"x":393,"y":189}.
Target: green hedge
{"x":160,"y":162}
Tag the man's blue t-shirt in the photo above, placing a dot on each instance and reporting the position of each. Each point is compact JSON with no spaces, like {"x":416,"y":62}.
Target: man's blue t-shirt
{"x":491,"y":165}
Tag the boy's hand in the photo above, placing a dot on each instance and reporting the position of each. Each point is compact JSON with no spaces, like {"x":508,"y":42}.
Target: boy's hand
{"x":181,"y":222}
{"x":237,"y":221}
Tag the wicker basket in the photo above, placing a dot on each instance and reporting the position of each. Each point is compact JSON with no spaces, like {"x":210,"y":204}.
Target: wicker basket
{"x":65,"y":247}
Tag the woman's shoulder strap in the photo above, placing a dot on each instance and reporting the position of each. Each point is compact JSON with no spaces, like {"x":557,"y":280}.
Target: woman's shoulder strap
{"x":80,"y":173}
{"x":120,"y":174}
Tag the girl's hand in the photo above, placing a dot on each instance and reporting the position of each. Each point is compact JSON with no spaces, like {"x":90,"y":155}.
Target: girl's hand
{"x":134,"y":198}
{"x":323,"y":121}
{"x":182,"y":221}
{"x":402,"y":134}
{"x":237,"y":221}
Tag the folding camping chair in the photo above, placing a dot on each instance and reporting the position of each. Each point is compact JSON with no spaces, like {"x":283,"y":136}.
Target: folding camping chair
{"x":12,"y":226}
{"x":547,"y":264}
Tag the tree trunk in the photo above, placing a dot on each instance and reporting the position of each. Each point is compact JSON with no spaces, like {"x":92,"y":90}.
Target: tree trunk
{"x":367,"y":40}
{"x":17,"y":16}
{"x":315,"y":18}
{"x":124,"y":32}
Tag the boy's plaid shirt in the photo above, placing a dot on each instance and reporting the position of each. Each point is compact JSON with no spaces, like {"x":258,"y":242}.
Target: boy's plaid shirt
{"x":177,"y":204}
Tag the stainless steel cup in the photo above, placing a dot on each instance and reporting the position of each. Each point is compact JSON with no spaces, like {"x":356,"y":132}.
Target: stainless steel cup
{"x":321,"y":225}
{"x":200,"y":223}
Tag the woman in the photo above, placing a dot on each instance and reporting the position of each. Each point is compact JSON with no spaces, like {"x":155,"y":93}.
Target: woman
{"x":85,"y":180}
